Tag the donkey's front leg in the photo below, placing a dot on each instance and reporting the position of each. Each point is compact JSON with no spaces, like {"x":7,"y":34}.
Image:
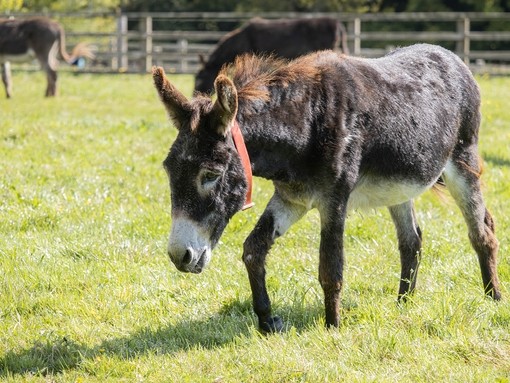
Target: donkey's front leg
{"x":278,"y":216}
{"x":331,"y":261}
{"x":7,"y":78}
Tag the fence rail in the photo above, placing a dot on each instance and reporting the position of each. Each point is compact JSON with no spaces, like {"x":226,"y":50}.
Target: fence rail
{"x":134,"y":42}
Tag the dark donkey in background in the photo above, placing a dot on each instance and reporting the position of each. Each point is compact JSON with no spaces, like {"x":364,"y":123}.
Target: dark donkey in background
{"x":287,"y":38}
{"x":333,"y":133}
{"x":36,"y":37}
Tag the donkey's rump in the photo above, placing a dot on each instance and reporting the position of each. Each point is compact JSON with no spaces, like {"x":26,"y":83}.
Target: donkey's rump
{"x":408,"y":110}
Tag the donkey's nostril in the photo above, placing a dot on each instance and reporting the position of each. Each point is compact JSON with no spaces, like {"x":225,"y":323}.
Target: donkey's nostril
{"x":187,"y":258}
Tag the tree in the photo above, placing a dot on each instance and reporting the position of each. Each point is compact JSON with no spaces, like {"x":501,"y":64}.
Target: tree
{"x":10,"y":5}
{"x":57,"y":5}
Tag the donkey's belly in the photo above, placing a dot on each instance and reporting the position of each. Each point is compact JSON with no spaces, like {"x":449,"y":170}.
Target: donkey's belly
{"x":375,"y":191}
{"x":29,"y":55}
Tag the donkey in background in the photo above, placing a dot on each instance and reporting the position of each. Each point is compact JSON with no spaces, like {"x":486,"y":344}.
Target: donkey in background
{"x":37,"y":37}
{"x":334,"y":133}
{"x":286,"y":38}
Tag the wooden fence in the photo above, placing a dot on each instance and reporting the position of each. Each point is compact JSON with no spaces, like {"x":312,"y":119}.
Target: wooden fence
{"x":134,"y":42}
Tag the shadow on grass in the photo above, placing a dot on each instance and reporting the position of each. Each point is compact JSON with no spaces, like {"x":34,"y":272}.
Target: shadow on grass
{"x":233,"y":320}
{"x":57,"y":355}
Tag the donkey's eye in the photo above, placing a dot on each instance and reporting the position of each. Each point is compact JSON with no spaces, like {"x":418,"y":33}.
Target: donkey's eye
{"x":209,"y":178}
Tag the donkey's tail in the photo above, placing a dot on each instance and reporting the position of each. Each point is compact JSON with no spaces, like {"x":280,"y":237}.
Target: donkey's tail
{"x":80,"y":50}
{"x":440,"y":190}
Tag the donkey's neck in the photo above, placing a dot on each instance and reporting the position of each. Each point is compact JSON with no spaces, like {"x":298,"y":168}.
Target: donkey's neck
{"x":278,"y":147}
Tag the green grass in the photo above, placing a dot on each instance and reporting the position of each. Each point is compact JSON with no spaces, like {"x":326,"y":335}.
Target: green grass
{"x":87,"y":293}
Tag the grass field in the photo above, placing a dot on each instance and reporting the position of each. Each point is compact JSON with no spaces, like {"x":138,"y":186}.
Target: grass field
{"x":87,"y":293}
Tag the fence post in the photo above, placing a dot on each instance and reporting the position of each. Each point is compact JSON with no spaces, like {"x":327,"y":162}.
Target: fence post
{"x":463,"y":44}
{"x":122,"y":43}
{"x":146,"y":30}
{"x":357,"y":37}
{"x":183,"y":49}
{"x":113,"y":51}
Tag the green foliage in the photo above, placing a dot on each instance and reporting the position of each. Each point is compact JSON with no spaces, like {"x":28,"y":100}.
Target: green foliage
{"x":444,"y":5}
{"x":258,"y":5}
{"x":58,"y":5}
{"x":10,"y":5}
{"x":318,"y":5}
{"x":87,"y":293}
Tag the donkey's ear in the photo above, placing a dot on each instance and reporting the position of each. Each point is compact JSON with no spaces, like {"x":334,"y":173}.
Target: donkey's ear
{"x":175,"y":102}
{"x":225,"y":106}
{"x":201,"y":59}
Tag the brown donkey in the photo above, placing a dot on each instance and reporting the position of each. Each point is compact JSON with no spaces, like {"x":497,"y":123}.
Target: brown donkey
{"x":286,"y":38}
{"x":333,"y":133}
{"x":37,"y":37}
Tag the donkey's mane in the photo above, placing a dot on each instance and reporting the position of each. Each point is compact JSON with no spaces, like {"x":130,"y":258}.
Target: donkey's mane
{"x":253,"y":75}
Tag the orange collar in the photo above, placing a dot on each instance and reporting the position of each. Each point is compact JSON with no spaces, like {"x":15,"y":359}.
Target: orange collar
{"x":245,"y":159}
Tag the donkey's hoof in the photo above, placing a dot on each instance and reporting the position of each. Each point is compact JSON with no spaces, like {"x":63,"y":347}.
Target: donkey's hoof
{"x":272,"y":325}
{"x":496,"y":295}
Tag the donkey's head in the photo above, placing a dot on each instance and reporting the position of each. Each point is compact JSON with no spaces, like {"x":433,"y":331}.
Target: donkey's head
{"x":207,"y":180}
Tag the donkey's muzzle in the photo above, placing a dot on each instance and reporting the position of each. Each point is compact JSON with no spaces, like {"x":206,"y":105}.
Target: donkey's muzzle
{"x":189,"y":245}
{"x":190,"y":261}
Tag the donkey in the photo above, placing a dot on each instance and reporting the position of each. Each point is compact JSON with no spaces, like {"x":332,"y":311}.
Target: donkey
{"x":287,"y":38}
{"x":36,"y":37}
{"x":334,"y":133}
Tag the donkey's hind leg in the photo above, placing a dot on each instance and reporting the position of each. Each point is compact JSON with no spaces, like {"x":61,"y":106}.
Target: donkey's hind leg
{"x":49,"y":65}
{"x":51,"y":76}
{"x":462,"y":175}
{"x":409,"y":244}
